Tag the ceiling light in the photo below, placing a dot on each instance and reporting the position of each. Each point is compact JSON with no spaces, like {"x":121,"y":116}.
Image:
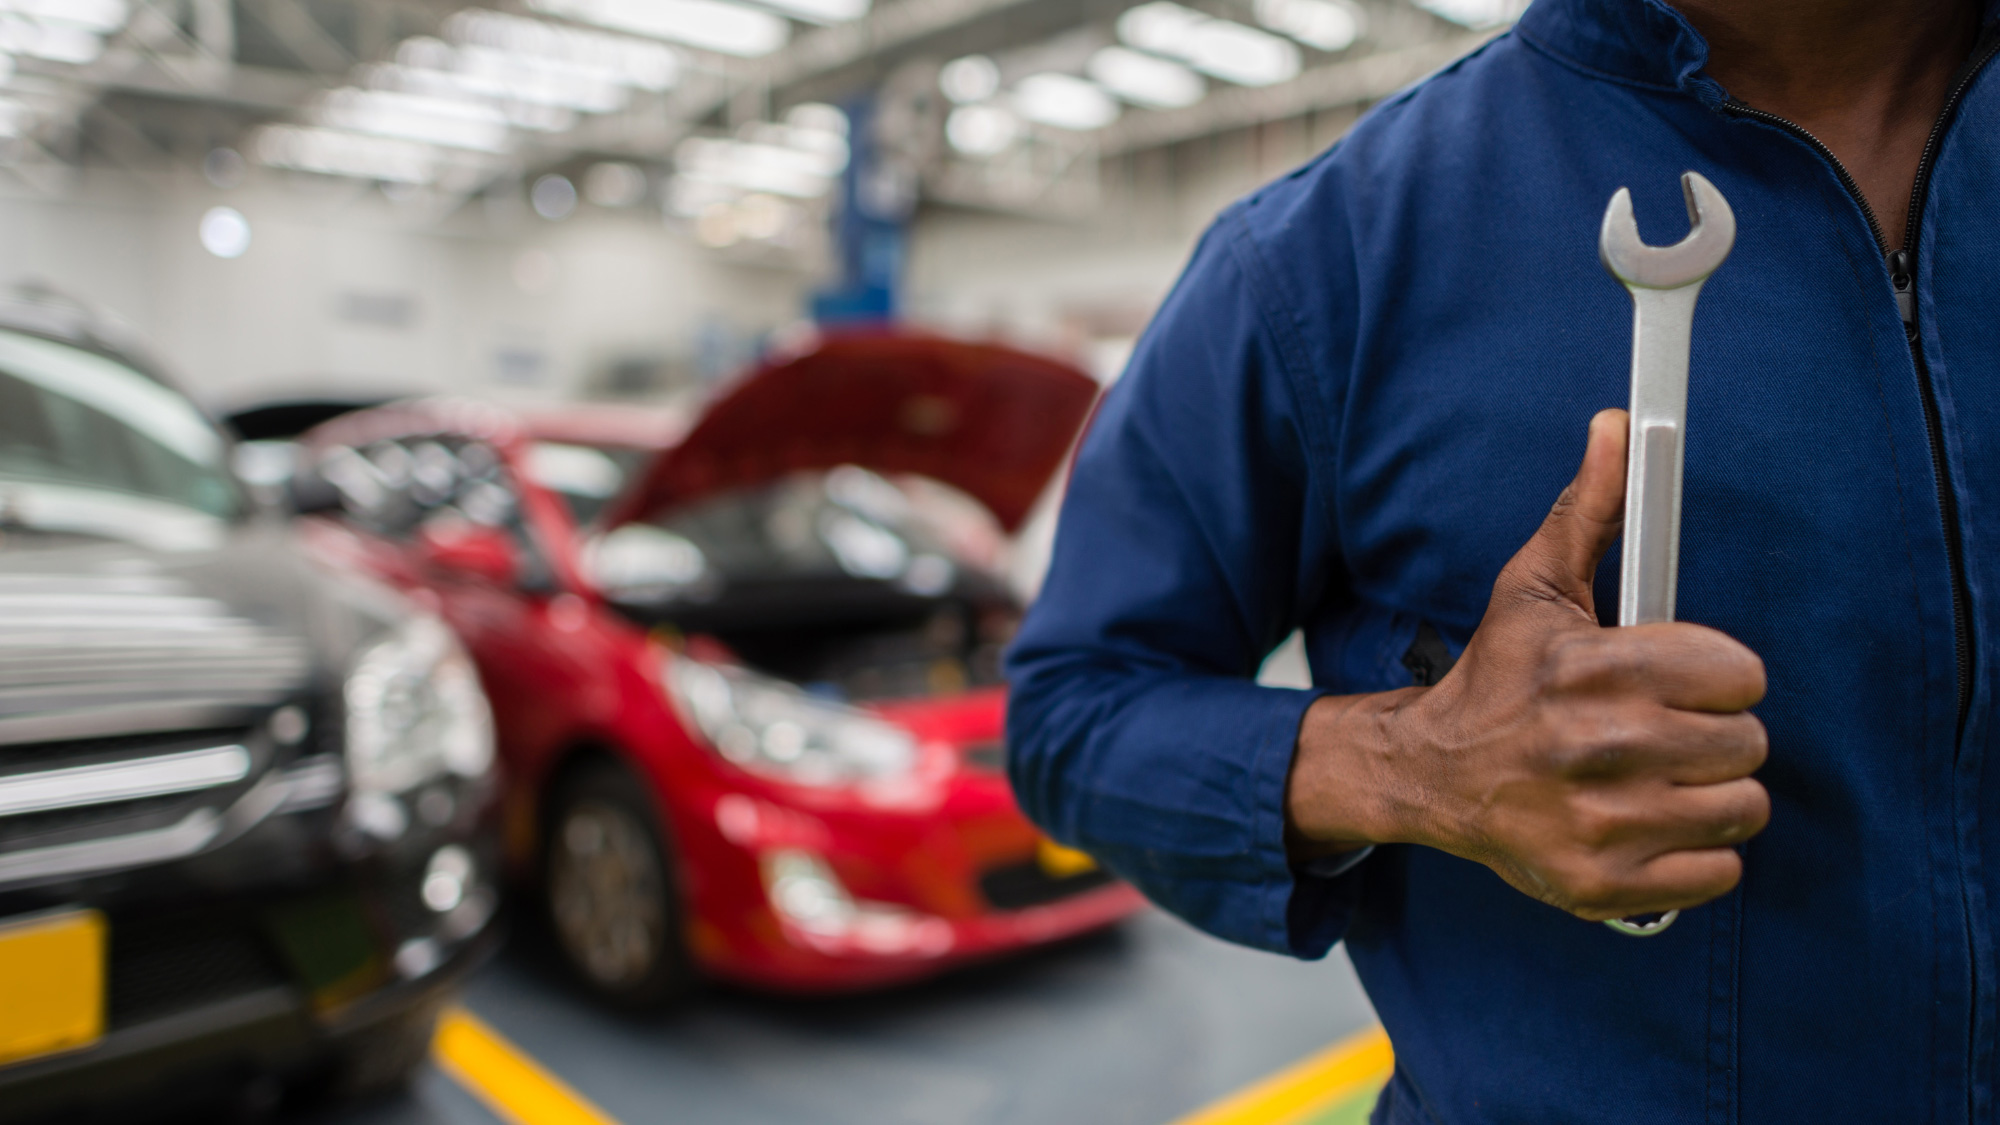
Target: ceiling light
{"x":1219,"y":48}
{"x":712,"y":25}
{"x":1243,"y":55}
{"x":981,"y":130}
{"x":757,"y":166}
{"x":553,"y":197}
{"x":1475,"y":13}
{"x":99,"y":16}
{"x":46,"y":39}
{"x":1161,"y":27}
{"x":1145,"y":79}
{"x":642,"y":63}
{"x":818,"y":117}
{"x":1064,"y":101}
{"x":973,"y":78}
{"x":416,"y":117}
{"x":225,"y":233}
{"x":1325,"y":25}
{"x":333,"y":152}
{"x":820,"y":11}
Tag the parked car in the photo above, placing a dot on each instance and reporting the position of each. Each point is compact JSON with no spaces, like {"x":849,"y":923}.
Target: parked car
{"x":247,"y":805}
{"x":746,"y":676}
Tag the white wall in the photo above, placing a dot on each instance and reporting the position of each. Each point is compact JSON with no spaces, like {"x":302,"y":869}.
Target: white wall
{"x":600,"y":286}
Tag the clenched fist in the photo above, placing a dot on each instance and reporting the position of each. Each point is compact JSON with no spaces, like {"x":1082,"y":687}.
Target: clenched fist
{"x":1603,"y":771}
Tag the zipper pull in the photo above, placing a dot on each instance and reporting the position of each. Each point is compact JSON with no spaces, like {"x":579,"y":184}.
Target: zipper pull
{"x":1906,"y":290}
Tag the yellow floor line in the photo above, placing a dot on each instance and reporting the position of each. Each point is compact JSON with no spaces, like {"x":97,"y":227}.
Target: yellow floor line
{"x":502,"y":1076}
{"x":1313,"y":1085}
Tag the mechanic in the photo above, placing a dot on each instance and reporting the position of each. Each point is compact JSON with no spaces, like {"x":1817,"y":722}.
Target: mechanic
{"x":1354,"y":410}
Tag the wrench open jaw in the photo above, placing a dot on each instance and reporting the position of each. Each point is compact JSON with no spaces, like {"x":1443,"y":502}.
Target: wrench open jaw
{"x":1686,"y":262}
{"x":1664,"y":282}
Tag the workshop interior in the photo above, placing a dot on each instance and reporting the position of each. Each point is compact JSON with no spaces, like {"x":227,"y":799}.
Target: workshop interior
{"x":511,"y":516}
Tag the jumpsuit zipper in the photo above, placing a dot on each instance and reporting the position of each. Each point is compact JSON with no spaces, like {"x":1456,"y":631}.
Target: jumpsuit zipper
{"x":1901,"y":263}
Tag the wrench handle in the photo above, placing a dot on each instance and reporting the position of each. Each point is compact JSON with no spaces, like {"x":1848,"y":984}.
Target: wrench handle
{"x":1662,"y":328}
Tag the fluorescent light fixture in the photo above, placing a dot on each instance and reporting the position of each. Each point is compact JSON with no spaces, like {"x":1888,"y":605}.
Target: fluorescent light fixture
{"x":529,"y":91}
{"x":820,"y":11}
{"x":1064,"y":101}
{"x":981,"y":130}
{"x":1475,"y":13}
{"x":973,"y":78}
{"x":1324,"y":25}
{"x":47,"y":39}
{"x":1218,"y":48}
{"x":641,"y":63}
{"x":712,"y":25}
{"x":333,"y":152}
{"x":818,"y":117}
{"x":451,"y":122}
{"x":757,"y":166}
{"x":1164,"y":28}
{"x":1144,"y":79}
{"x":1243,"y":55}
{"x":98,"y":16}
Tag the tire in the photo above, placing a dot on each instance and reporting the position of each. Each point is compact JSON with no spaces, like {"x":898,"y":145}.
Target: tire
{"x":609,"y":890}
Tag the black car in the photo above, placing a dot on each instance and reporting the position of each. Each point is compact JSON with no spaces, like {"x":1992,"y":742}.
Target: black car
{"x":246,"y":805}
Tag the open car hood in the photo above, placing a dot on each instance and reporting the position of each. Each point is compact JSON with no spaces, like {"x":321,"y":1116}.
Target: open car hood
{"x":988,"y":420}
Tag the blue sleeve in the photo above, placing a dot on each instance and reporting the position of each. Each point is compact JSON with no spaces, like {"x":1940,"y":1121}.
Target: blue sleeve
{"x":1193,"y":538}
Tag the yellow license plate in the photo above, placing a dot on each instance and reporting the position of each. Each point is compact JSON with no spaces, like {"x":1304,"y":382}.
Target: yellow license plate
{"x":1059,"y":862}
{"x":51,"y":983}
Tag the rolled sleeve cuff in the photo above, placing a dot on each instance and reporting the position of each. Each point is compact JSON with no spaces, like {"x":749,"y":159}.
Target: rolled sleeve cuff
{"x":1305,"y":908}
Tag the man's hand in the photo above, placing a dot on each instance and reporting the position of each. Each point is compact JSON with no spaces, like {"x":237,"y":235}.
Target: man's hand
{"x":1603,"y":771}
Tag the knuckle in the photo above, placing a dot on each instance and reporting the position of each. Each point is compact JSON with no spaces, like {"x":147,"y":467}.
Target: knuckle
{"x":1592,"y":661}
{"x":1597,"y":744}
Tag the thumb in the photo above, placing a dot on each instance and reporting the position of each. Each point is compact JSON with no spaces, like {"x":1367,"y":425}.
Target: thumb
{"x":1560,"y":562}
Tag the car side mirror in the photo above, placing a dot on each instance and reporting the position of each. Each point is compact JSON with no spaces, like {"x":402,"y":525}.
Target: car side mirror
{"x":472,"y":550}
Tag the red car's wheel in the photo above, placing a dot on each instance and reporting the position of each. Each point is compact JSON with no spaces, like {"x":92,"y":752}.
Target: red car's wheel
{"x":609,"y":890}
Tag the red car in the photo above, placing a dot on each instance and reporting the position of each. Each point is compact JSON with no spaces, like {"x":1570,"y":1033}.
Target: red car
{"x":745,"y":673}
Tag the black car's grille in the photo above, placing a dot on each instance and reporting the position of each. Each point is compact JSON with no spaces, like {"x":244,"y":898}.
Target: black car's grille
{"x":173,"y":963}
{"x":1022,"y":885}
{"x":114,"y":815}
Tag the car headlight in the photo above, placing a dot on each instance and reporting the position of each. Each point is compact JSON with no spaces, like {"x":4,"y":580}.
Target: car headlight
{"x":770,"y":727}
{"x":415,"y":711}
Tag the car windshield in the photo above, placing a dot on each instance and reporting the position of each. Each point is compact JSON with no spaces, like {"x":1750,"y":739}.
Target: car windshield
{"x":70,"y":417}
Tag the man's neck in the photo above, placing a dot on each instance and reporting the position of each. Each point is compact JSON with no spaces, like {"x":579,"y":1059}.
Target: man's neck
{"x":1867,"y":77}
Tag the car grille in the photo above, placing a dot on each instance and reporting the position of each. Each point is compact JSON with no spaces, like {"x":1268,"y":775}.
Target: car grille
{"x":83,"y":805}
{"x":173,"y":963}
{"x":1022,"y":885}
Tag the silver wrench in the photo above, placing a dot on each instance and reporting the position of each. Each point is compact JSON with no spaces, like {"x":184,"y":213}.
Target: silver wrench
{"x":1664,"y":282}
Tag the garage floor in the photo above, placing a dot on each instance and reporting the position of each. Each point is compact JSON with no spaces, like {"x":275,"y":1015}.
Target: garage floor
{"x":1136,"y":1027}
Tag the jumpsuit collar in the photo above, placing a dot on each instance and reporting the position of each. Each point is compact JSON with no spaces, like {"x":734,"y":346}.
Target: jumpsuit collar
{"x":1639,"y":41}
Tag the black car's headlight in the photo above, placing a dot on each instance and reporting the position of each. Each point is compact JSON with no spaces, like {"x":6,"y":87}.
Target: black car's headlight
{"x":415,"y":711}
{"x":769,"y":727}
